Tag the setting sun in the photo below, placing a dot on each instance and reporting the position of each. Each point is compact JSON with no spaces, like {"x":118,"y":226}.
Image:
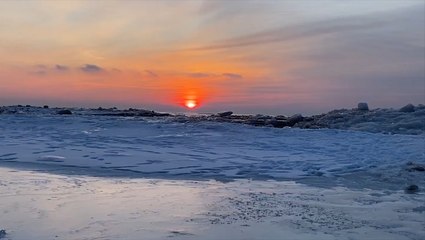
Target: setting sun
{"x":190,"y":104}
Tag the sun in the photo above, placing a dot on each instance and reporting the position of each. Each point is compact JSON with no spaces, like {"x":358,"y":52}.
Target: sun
{"x":190,"y":104}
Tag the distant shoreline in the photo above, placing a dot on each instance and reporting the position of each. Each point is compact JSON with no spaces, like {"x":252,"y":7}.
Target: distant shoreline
{"x":406,"y":120}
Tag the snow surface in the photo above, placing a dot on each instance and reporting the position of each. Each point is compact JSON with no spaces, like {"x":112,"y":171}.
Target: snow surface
{"x":204,"y":150}
{"x":37,"y":205}
{"x":101,"y":177}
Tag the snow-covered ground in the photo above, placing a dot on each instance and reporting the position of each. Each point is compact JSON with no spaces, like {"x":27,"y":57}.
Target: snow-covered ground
{"x":99,"y":177}
{"x":45,"y":206}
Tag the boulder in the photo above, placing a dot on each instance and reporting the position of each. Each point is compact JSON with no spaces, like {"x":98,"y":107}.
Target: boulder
{"x":294,"y":120}
{"x":280,"y":117}
{"x":258,"y":120}
{"x":418,"y":168}
{"x":362,"y":106}
{"x":413,"y":167}
{"x":225,"y":114}
{"x":2,"y":233}
{"x":408,"y":108}
{"x":145,"y":113}
{"x":64,"y":112}
{"x":277,"y":123}
{"x":45,"y":106}
{"x":411,"y":189}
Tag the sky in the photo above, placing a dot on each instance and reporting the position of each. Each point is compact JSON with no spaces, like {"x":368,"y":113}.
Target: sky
{"x":270,"y":57}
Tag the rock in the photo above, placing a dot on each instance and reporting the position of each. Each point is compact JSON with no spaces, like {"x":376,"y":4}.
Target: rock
{"x":64,"y":112}
{"x":280,"y":117}
{"x":225,"y":114}
{"x":45,"y":106}
{"x":2,"y":233}
{"x":294,"y":120}
{"x":408,"y":108}
{"x":278,"y":123}
{"x":362,"y":106}
{"x":411,"y":189}
{"x":418,"y":168}
{"x":412,"y":167}
{"x":257,"y":121}
{"x":145,"y":113}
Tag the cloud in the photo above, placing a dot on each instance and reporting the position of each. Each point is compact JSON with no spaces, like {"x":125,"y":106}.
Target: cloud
{"x":309,"y":30}
{"x":39,"y":70}
{"x":61,"y":67}
{"x":40,"y":66}
{"x":200,"y":75}
{"x":151,"y":73}
{"x":91,"y":68}
{"x":232,"y":75}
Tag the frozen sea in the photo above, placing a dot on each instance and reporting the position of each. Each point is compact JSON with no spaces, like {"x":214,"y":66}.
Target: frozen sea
{"x":99,"y":177}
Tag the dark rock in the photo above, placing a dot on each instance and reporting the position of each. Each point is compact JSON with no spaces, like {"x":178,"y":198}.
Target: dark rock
{"x":294,"y":120}
{"x":2,"y":233}
{"x":308,"y":119}
{"x":408,"y":108}
{"x":64,"y":112}
{"x":412,"y":167}
{"x":280,"y":118}
{"x":411,"y":189}
{"x":225,"y":114}
{"x":261,"y":116}
{"x":134,"y":113}
{"x":45,"y":106}
{"x":257,"y":121}
{"x":162,"y":114}
{"x":278,"y":123}
{"x":418,"y":168}
{"x":146,"y":113}
{"x":362,"y":106}
{"x":27,"y":106}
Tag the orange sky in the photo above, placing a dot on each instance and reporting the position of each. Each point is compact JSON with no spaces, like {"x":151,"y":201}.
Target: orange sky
{"x":260,"y":57}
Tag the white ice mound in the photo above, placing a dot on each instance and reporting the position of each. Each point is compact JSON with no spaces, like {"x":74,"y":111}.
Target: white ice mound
{"x":51,"y":158}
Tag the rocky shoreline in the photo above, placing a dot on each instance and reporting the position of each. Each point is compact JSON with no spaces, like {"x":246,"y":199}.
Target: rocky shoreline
{"x":409,"y":119}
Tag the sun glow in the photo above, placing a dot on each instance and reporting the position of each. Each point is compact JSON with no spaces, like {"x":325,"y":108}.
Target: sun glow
{"x":190,"y":104}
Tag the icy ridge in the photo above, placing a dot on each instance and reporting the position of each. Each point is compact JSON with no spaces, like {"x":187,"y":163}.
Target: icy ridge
{"x":409,"y":119}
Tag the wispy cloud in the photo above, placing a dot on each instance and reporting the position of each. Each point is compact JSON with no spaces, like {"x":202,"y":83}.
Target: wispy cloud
{"x":91,"y":68}
{"x":59,"y":67}
{"x":200,"y":75}
{"x":308,"y":30}
{"x":151,"y":73}
{"x":38,"y":70}
{"x":232,"y":75}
